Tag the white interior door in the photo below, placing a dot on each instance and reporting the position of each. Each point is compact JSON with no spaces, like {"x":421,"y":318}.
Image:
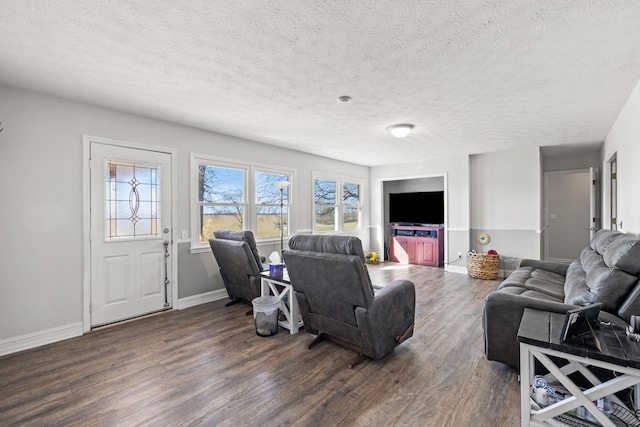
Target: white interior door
{"x":568,"y":214}
{"x":130,"y":232}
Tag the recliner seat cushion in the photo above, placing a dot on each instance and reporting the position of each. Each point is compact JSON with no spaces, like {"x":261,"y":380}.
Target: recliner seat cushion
{"x":524,"y":292}
{"x":540,"y":281}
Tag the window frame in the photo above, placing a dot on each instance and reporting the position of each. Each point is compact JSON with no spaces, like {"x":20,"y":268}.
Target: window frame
{"x":274,"y":171}
{"x":339,"y":206}
{"x":357,"y":206}
{"x":249,"y":220}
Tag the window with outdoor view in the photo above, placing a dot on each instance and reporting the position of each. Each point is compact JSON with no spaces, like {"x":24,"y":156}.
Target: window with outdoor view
{"x":350,"y":206}
{"x":325,"y":205}
{"x":336,"y":205}
{"x":221,"y":199}
{"x":272,"y":203}
{"x":231,"y":195}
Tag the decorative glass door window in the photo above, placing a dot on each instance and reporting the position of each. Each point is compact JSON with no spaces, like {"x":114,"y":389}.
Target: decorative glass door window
{"x":132,"y":200}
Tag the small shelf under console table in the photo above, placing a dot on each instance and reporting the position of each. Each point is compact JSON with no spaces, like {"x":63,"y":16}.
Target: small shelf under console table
{"x":415,"y":244}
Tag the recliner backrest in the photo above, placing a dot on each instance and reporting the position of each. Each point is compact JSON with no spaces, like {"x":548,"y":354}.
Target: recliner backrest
{"x":345,"y":245}
{"x":330,"y":272}
{"x":235,"y":259}
{"x":241,"y":236}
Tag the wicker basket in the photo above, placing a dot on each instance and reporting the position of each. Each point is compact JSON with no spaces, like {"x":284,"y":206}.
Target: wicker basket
{"x":482,"y":266}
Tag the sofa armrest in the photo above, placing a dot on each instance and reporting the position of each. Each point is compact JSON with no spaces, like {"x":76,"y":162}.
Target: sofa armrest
{"x":554,"y":267}
{"x":501,"y":321}
{"x":388,"y":317}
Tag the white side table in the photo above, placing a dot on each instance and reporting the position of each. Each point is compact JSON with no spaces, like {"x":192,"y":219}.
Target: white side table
{"x":280,"y":286}
{"x":539,"y":336}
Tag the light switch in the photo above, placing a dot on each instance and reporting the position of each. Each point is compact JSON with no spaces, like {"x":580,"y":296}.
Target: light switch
{"x":184,"y":235}
{"x":553,"y":216}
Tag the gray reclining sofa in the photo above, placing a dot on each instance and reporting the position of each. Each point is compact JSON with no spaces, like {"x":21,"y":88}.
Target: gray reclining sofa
{"x":606,"y":272}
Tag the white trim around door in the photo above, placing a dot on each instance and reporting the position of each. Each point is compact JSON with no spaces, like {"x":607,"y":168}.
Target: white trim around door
{"x":86,"y":188}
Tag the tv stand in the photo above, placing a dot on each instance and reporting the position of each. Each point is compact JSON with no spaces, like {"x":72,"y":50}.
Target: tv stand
{"x":412,"y":244}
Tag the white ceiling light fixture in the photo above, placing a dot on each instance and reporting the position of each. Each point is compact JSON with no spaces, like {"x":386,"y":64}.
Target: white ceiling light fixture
{"x":400,"y":130}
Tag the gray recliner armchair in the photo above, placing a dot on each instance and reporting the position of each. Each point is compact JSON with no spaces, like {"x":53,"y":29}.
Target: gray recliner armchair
{"x":338,"y":302}
{"x":239,"y":262}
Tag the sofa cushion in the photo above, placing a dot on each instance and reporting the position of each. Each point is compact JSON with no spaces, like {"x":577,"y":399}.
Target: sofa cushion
{"x":541,"y":281}
{"x":548,"y":276}
{"x":576,"y":290}
{"x":624,"y":253}
{"x":589,"y":258}
{"x":609,"y":286}
{"x":524,"y":292}
{"x":602,"y":239}
{"x":517,"y":278}
{"x":545,"y":287}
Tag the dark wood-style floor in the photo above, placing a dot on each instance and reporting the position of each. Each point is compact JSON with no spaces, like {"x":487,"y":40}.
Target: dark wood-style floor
{"x":206,"y":366}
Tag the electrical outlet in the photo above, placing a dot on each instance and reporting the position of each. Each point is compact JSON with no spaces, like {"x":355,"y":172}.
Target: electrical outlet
{"x":459,"y":254}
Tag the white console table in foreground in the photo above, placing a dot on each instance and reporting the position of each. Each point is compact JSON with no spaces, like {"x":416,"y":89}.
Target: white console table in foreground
{"x":280,"y":286}
{"x":539,"y":337}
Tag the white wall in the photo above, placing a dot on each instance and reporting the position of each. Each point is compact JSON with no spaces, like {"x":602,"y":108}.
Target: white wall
{"x":624,"y":138}
{"x":41,"y":209}
{"x":505,"y":201}
{"x":505,"y":189}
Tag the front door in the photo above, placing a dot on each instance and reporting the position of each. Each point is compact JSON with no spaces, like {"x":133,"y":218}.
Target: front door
{"x":130,"y":232}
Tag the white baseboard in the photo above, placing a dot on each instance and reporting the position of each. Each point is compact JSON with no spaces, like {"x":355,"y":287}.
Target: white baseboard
{"x":61,"y":333}
{"x":36,"y":339}
{"x":455,"y":269}
{"x":463,"y":270}
{"x":202,"y":298}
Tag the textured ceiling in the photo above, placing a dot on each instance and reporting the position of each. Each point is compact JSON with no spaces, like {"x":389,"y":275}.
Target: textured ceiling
{"x":473,"y":76}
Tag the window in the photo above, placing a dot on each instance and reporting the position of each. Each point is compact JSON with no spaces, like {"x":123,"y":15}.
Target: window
{"x":221,"y":199}
{"x":350,"y":206}
{"x":325,"y":200}
{"x":336,"y":205}
{"x":236,"y":196}
{"x":272,"y":204}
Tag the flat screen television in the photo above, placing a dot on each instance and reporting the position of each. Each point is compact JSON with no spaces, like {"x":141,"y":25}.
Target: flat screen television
{"x":420,"y":208}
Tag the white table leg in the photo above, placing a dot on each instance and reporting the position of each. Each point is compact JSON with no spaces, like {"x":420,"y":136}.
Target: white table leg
{"x":268,"y":287}
{"x":264,"y":287}
{"x":525,"y":383}
{"x":293,"y":311}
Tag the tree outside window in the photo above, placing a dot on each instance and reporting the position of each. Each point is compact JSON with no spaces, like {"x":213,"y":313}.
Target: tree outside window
{"x":325,"y":201}
{"x":268,"y":218}
{"x":221,"y":199}
{"x":350,"y":206}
